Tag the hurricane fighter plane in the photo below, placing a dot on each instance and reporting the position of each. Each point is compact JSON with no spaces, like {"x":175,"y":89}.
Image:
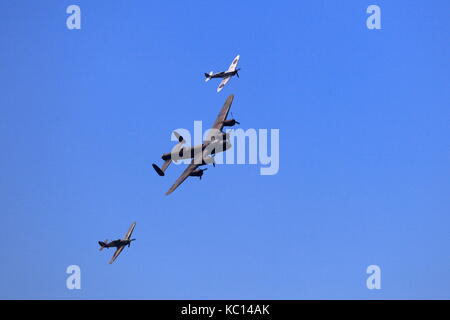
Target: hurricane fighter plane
{"x":203,"y":154}
{"x":226,"y":75}
{"x":120,"y":244}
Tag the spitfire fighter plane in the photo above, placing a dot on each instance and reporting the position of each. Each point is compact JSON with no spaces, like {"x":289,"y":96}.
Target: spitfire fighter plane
{"x":226,"y":75}
{"x":120,"y":244}
{"x":216,"y":141}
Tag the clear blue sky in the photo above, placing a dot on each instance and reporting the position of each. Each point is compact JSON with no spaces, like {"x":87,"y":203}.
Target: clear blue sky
{"x":364,"y":149}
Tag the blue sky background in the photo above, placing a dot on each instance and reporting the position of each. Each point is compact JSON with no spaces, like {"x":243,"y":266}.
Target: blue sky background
{"x":364,"y":149}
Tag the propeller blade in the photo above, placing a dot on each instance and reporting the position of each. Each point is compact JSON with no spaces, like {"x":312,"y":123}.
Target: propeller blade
{"x":231,"y":112}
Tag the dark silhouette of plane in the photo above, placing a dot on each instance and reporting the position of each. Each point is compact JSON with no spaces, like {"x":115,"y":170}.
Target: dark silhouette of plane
{"x":216,"y":141}
{"x":226,"y":75}
{"x":120,"y":244}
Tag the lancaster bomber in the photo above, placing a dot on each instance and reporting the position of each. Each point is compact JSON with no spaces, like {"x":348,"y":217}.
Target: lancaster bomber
{"x":216,"y":141}
{"x":226,"y":75}
{"x":120,"y":244}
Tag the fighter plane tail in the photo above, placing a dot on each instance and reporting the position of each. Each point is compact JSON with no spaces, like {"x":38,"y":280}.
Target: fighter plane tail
{"x":208,"y":76}
{"x":103,"y":244}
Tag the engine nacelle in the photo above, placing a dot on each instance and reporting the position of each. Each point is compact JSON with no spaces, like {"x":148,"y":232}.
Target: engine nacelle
{"x":166,"y":156}
{"x":230,"y":123}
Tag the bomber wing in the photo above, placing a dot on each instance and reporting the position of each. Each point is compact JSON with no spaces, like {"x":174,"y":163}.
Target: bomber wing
{"x":221,"y":117}
{"x":194,"y":165}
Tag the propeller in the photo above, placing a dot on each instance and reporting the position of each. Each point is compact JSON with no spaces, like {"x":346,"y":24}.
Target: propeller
{"x":237,"y":72}
{"x":129,"y":243}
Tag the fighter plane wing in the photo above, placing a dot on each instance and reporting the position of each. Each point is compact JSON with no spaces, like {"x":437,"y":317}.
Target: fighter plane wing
{"x":223,"y":83}
{"x":116,"y":254}
{"x":234,"y":63}
{"x":184,"y":175}
{"x":130,"y":231}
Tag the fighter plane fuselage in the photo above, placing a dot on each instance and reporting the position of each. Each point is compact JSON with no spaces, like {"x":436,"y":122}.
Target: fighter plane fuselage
{"x":223,"y":74}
